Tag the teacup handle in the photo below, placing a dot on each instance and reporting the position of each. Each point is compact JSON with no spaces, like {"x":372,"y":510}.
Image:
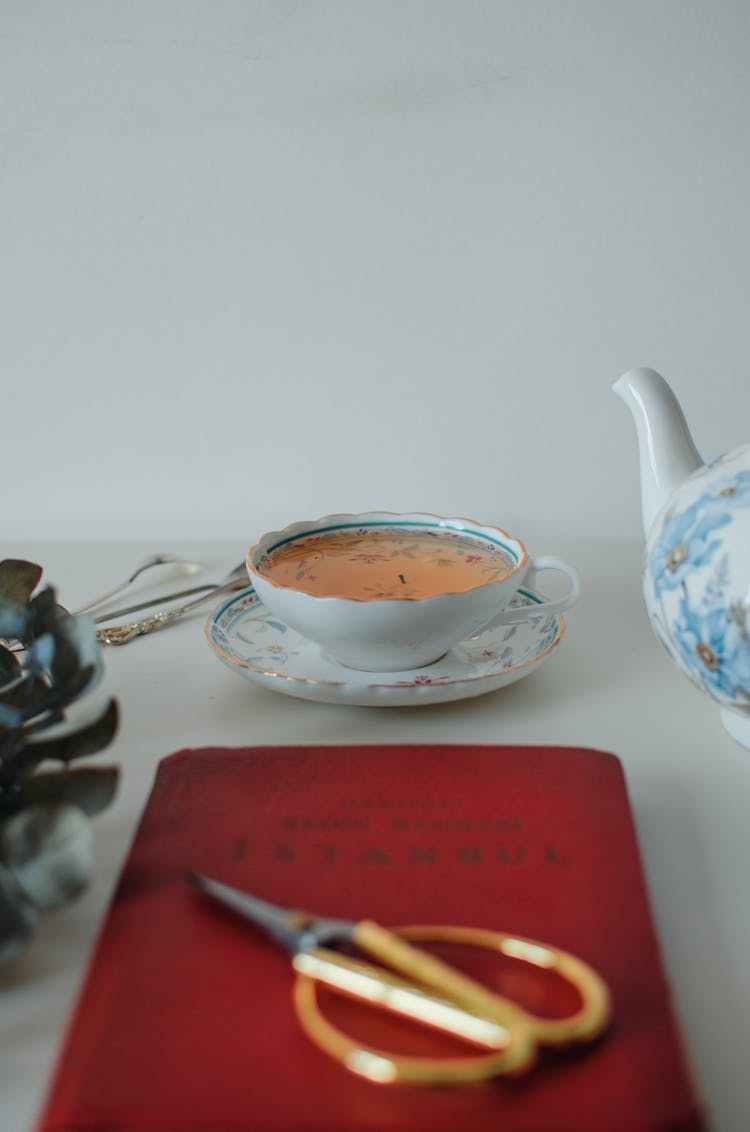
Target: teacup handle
{"x":545,"y":562}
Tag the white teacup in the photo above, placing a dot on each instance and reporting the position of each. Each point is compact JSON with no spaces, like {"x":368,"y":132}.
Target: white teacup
{"x":386,"y":592}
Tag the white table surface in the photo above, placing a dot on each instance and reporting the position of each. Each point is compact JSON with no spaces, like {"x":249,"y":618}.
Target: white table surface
{"x":609,"y":685}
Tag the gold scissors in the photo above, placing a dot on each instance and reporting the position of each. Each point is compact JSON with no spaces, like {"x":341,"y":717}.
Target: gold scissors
{"x":505,"y":1037}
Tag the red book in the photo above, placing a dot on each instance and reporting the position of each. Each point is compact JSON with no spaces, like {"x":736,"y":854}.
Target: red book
{"x":185,"y":1021}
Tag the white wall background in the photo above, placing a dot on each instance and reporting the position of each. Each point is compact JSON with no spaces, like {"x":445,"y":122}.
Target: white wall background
{"x":266,"y":259}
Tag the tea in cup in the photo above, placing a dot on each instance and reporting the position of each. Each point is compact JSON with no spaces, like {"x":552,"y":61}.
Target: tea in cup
{"x":386,"y":592}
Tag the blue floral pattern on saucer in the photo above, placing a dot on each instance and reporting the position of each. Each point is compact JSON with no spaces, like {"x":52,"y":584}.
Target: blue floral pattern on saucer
{"x":263,"y":649}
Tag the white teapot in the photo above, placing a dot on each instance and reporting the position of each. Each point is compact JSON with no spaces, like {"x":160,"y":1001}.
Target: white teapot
{"x":696,"y":578}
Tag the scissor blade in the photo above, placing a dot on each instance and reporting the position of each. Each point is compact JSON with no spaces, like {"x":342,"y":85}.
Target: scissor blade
{"x":283,"y":924}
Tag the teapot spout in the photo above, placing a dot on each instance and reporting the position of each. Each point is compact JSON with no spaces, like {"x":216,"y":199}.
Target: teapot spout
{"x":667,"y":452}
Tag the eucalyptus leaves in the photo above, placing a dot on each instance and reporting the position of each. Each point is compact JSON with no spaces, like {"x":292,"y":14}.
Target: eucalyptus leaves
{"x":48,"y":659}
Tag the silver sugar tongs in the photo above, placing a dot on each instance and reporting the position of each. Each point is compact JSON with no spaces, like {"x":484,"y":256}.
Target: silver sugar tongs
{"x":181,"y":566}
{"x":239,"y":573}
{"x":122,"y":634}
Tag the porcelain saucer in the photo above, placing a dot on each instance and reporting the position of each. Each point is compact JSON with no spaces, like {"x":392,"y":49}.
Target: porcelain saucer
{"x":260,"y":647}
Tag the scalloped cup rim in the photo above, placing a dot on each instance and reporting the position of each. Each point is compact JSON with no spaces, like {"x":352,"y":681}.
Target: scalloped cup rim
{"x":304,"y":527}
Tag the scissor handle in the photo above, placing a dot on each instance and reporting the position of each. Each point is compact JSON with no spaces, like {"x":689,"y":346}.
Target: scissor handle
{"x":583,"y":1025}
{"x":383,"y":1067}
{"x":526,"y":1031}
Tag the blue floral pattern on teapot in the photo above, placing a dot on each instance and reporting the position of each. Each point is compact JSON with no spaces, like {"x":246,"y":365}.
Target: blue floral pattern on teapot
{"x":696,"y":605}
